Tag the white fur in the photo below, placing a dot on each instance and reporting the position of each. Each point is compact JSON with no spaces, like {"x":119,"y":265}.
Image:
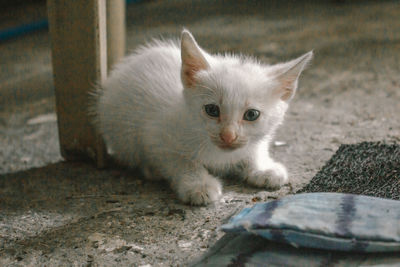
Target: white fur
{"x":149,"y":120}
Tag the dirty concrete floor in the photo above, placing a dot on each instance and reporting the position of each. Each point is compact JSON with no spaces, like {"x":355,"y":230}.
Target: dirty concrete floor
{"x":57,"y":213}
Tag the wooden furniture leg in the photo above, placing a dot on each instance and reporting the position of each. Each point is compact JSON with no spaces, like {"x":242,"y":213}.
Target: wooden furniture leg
{"x":116,"y":28}
{"x":79,"y":55}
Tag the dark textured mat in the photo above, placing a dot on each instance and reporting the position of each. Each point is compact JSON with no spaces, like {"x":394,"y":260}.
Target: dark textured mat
{"x":368,"y":168}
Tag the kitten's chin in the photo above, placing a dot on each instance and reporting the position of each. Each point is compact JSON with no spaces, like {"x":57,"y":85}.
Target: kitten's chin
{"x":218,"y":157}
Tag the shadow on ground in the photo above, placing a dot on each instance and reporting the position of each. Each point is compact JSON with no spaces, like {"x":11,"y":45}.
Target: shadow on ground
{"x":58,"y":185}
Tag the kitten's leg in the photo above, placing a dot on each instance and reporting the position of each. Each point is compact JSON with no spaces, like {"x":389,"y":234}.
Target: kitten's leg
{"x":263,"y":171}
{"x":193,"y":184}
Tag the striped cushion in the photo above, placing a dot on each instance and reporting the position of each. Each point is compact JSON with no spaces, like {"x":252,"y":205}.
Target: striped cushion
{"x":330,"y":221}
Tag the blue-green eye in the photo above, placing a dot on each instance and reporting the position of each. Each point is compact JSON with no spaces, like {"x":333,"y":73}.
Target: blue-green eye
{"x":212,"y":110}
{"x":251,"y":115}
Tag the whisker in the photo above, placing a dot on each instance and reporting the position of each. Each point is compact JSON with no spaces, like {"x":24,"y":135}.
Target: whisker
{"x":202,"y":148}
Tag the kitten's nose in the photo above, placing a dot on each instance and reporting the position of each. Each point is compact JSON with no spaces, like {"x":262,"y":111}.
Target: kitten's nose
{"x":228,"y":136}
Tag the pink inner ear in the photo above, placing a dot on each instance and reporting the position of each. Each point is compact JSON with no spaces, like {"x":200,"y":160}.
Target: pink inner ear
{"x":190,"y":68}
{"x":287,"y":94}
{"x":287,"y":87}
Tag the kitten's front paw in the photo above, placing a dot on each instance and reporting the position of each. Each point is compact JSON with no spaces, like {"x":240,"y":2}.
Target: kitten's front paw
{"x":271,"y":178}
{"x":201,"y":192}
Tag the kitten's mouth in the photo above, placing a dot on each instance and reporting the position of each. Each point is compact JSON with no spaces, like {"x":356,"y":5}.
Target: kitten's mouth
{"x":229,"y":147}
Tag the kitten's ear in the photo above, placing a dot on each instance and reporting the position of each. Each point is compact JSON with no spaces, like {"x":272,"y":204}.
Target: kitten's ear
{"x":287,"y":75}
{"x":192,"y":59}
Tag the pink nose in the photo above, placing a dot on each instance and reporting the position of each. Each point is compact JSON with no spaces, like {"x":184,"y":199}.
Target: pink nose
{"x":228,"y":137}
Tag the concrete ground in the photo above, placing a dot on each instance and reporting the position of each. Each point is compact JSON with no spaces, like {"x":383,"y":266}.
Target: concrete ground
{"x":57,"y":213}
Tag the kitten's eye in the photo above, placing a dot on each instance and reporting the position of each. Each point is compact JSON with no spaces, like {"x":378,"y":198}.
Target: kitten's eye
{"x":251,"y":115}
{"x":212,"y":110}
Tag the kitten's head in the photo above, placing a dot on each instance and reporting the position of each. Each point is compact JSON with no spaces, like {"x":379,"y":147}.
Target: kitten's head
{"x":238,"y":100}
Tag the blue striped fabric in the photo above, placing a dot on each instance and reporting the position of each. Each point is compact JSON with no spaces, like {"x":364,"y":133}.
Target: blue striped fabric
{"x":332,"y":221}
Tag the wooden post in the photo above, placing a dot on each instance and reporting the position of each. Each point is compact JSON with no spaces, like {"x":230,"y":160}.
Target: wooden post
{"x":115,"y":31}
{"x":79,"y":55}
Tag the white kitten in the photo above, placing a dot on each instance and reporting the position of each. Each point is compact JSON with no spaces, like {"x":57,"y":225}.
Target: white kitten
{"x":175,"y":111}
